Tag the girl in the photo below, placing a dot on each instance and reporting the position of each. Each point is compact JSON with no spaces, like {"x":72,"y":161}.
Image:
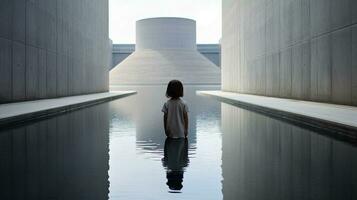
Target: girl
{"x":175,"y":111}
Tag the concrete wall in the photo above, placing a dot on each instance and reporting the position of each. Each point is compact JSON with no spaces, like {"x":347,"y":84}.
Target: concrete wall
{"x":300,"y":49}
{"x":166,"y":33}
{"x":211,"y":51}
{"x":53,"y":48}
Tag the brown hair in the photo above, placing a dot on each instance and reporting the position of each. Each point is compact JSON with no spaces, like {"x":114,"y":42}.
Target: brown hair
{"x":174,"y":89}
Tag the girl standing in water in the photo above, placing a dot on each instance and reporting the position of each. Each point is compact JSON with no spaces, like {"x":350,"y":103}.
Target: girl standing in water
{"x":175,"y":111}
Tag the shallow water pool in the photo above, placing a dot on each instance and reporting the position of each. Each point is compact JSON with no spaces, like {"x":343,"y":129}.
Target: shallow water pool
{"x":118,"y":150}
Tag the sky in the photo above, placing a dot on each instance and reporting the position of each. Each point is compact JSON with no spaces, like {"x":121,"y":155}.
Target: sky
{"x":124,"y":13}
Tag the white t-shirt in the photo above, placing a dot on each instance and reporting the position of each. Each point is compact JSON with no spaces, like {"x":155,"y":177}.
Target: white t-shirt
{"x":175,"y":108}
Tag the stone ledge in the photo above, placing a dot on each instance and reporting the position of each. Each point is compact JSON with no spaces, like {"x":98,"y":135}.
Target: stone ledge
{"x":14,"y":113}
{"x":331,"y":118}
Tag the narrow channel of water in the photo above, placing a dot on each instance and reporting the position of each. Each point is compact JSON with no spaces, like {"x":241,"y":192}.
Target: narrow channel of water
{"x":117,"y":150}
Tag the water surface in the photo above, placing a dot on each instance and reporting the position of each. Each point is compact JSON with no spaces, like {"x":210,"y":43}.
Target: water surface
{"x":118,"y":150}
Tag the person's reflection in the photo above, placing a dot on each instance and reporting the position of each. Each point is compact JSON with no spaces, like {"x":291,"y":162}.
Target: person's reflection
{"x":175,"y":160}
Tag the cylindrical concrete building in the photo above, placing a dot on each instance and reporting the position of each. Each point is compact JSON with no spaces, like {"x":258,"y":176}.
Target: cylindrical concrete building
{"x":165,"y":50}
{"x":166,"y":33}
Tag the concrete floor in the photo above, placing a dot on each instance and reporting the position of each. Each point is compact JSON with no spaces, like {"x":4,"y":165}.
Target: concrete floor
{"x":23,"y":111}
{"x":336,"y":118}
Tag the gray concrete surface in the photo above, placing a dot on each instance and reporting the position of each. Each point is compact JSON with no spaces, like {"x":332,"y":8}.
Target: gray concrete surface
{"x":161,"y":56}
{"x":339,"y":118}
{"x":300,"y":49}
{"x":121,"y":51}
{"x":11,"y":113}
{"x":53,"y":48}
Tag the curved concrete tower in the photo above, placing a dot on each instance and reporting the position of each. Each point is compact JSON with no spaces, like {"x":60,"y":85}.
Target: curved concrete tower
{"x":165,"y":50}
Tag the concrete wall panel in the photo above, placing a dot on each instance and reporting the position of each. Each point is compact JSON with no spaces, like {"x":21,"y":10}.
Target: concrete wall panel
{"x":5,"y":70}
{"x":32,"y":23}
{"x":301,"y":71}
{"x":320,"y":16}
{"x":353,"y":8}
{"x":306,"y":71}
{"x":354,"y":65}
{"x":297,"y":72}
{"x":342,"y":66}
{"x":18,"y":71}
{"x":51,"y":71}
{"x":62,"y":75}
{"x":273,"y":26}
{"x":32,"y":70}
{"x":307,"y":49}
{"x":38,"y":35}
{"x":321,"y":65}
{"x":286,"y":23}
{"x":6,"y":19}
{"x":19,"y":21}
{"x":42,"y":74}
{"x":286,"y":73}
{"x":340,"y":13}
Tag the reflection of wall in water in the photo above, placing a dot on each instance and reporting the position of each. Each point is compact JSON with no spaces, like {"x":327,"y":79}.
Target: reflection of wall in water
{"x":59,"y":158}
{"x":264,"y":158}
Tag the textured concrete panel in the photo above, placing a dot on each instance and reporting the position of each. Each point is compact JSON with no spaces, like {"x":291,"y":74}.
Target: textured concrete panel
{"x":306,"y":70}
{"x":42,"y":74}
{"x":320,"y":16}
{"x":42,"y":32}
{"x":62,"y":75}
{"x":317,"y":67}
{"x":18,"y":71}
{"x":5,"y":70}
{"x":301,"y":71}
{"x":33,"y":33}
{"x":275,"y":70}
{"x":286,"y":23}
{"x":6,"y":19}
{"x":354,"y":65}
{"x":353,"y":11}
{"x":51,"y":70}
{"x":340,"y":13}
{"x":19,"y":20}
{"x":261,"y":76}
{"x":32,"y":64}
{"x":286,"y":73}
{"x":273,"y":26}
{"x":321,"y":69}
{"x":341,"y":66}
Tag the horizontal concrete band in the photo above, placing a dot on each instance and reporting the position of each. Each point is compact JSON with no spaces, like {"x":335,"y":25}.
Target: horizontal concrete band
{"x":331,"y":118}
{"x":14,"y":113}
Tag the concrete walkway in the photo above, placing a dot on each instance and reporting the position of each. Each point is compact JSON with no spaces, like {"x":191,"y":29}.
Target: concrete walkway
{"x":28,"y":110}
{"x":336,"y":118}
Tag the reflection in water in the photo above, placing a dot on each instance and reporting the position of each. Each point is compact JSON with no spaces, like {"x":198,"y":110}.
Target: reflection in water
{"x":175,"y":160}
{"x":59,"y":158}
{"x":66,"y":157}
{"x":144,"y":109}
{"x":137,"y":147}
{"x":264,"y":158}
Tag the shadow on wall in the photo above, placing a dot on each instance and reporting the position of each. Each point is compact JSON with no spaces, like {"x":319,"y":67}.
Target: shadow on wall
{"x":65,"y":157}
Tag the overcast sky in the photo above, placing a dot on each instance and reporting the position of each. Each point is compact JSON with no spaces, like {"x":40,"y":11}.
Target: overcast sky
{"x":124,"y":13}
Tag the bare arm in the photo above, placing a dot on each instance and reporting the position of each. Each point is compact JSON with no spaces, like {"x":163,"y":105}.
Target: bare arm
{"x":165,"y":125}
{"x":185,"y":117}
